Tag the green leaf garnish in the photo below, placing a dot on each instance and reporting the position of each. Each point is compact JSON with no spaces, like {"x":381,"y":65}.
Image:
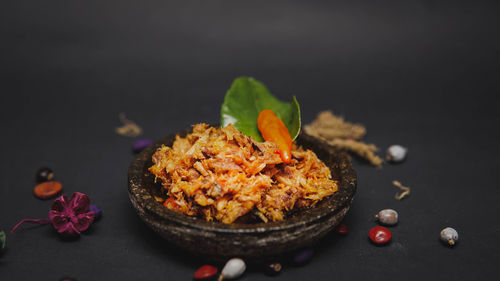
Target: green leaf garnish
{"x":244,"y":101}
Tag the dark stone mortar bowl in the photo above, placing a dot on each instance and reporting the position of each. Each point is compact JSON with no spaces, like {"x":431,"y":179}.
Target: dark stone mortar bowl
{"x":248,"y":240}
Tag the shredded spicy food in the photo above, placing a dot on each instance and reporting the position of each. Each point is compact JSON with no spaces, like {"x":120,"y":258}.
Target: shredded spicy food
{"x":221,"y":174}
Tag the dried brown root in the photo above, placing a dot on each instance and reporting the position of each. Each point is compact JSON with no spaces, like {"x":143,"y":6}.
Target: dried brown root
{"x":344,"y":135}
{"x":406,"y":190}
{"x":363,"y":150}
{"x":330,"y":126}
{"x":129,"y":128}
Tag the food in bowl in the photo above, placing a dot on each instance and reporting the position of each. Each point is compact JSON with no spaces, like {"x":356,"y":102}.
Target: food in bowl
{"x":221,"y":174}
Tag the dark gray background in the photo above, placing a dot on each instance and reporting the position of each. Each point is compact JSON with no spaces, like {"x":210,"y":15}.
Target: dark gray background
{"x":424,"y":74}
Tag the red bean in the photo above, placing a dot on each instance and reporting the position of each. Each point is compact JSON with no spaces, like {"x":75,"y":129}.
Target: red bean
{"x":380,"y":235}
{"x":205,"y":272}
{"x":342,"y":229}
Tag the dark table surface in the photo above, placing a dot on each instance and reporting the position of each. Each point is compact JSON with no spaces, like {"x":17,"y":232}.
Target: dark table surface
{"x":423,"y":74}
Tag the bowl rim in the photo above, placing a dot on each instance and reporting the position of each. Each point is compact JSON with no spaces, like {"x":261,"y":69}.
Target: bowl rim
{"x":146,"y":201}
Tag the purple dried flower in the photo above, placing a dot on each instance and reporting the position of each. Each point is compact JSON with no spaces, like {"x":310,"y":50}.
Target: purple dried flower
{"x":68,"y":217}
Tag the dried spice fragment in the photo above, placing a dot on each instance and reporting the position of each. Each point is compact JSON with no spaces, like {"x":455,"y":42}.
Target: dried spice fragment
{"x":405,"y":189}
{"x":344,"y":135}
{"x":330,"y":126}
{"x":129,"y":128}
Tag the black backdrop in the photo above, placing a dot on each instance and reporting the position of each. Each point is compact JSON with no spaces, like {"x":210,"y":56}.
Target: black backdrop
{"x":424,"y":74}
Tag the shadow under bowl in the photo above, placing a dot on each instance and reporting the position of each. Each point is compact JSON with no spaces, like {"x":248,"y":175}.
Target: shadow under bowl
{"x":247,"y":240}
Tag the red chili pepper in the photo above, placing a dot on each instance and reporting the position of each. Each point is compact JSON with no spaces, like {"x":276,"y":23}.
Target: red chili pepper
{"x":274,"y":130}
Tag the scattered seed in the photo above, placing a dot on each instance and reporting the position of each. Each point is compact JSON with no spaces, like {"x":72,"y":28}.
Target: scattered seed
{"x":141,"y":144}
{"x":97,"y":211}
{"x":205,"y":272}
{"x":48,"y":189}
{"x":380,"y":235}
{"x":406,"y":190}
{"x":387,"y":217}
{"x":273,"y":269}
{"x":449,"y":236}
{"x":396,"y":153}
{"x":3,"y":240}
{"x":303,"y":256}
{"x":129,"y":128}
{"x":234,"y":268}
{"x":342,"y":229}
{"x":44,"y":174}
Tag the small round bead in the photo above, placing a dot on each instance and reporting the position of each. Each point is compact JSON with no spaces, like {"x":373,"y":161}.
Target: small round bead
{"x":380,"y":235}
{"x":387,"y":217}
{"x":449,"y":236}
{"x":67,"y":279}
{"x":205,"y":272}
{"x":44,"y":174}
{"x":273,"y":269}
{"x":396,"y":153}
{"x":234,"y":268}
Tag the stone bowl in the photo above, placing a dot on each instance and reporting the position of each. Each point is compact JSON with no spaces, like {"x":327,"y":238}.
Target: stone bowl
{"x":255,"y":240}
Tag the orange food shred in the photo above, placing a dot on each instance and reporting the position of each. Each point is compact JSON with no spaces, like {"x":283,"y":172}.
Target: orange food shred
{"x":221,"y":174}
